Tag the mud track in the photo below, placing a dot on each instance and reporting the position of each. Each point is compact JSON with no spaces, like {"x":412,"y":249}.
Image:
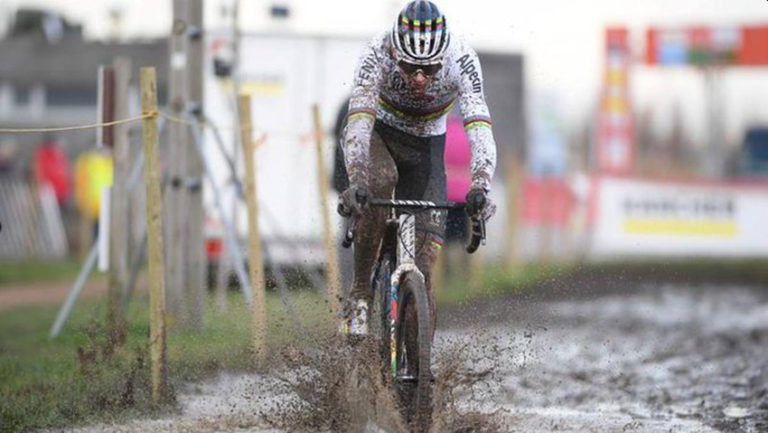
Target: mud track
{"x":584,"y":356}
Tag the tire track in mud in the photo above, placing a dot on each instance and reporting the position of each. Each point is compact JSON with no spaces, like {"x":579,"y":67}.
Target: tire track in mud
{"x":648,"y":358}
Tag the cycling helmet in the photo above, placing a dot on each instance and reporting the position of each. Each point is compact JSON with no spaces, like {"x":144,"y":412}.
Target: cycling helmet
{"x":420,"y":34}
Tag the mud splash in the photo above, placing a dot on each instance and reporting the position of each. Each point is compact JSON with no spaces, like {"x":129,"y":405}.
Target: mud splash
{"x":341,"y":388}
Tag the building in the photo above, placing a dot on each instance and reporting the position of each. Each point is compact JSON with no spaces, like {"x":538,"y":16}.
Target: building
{"x":48,"y":76}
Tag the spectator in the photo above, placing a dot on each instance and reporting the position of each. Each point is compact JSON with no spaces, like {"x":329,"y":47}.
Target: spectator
{"x":52,"y":167}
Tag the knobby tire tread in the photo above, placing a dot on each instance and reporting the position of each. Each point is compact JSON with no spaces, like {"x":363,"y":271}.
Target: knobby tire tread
{"x":413,"y":295}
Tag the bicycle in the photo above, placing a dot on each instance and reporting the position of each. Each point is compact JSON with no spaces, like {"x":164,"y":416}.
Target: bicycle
{"x":400,"y":293}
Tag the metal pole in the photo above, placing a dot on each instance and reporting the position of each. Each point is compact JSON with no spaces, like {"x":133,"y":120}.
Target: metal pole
{"x":82,"y":277}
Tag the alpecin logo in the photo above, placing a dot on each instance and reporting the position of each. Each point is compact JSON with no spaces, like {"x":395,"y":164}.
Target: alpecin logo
{"x":468,"y":68}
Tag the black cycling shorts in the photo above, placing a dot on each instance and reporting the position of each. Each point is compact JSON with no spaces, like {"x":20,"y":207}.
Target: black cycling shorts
{"x":420,"y":172}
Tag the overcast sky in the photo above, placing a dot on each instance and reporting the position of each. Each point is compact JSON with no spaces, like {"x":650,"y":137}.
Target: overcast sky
{"x":561,"y":39}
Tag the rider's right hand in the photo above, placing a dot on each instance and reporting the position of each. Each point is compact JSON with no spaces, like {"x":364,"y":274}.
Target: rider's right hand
{"x":353,"y":201}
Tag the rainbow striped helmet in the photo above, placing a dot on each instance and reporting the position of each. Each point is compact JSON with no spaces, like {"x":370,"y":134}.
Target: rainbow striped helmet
{"x":420,"y":34}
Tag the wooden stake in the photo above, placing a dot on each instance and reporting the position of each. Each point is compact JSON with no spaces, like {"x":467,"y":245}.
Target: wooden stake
{"x":255,"y":261}
{"x":155,"y":231}
{"x":194,"y":253}
{"x":119,"y":222}
{"x":178,"y":297}
{"x":331,"y":263}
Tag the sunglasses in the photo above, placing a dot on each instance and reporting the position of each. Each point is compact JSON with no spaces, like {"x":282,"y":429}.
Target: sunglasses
{"x":428,"y":70}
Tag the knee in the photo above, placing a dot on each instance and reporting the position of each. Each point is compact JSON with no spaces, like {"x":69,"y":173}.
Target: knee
{"x":429,"y":247}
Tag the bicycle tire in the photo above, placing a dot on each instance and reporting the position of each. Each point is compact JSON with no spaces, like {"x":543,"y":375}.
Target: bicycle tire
{"x":415,"y":392}
{"x":380,"y":314}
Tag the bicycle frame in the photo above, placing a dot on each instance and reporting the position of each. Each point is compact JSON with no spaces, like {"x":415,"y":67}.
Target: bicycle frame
{"x":406,"y":260}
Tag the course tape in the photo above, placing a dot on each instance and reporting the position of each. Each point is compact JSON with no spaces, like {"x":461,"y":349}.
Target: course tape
{"x":78,"y":127}
{"x":202,"y":123}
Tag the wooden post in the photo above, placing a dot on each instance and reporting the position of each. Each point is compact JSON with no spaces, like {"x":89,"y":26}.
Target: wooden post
{"x":225,"y":263}
{"x":155,"y":233}
{"x":119,"y":226}
{"x":106,"y":106}
{"x":175,"y":205}
{"x":255,"y":261}
{"x":332,"y":264}
{"x":194,"y":251}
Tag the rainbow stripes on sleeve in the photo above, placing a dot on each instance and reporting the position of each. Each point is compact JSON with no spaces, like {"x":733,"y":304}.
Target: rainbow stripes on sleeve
{"x":360,"y":113}
{"x":477,"y":122}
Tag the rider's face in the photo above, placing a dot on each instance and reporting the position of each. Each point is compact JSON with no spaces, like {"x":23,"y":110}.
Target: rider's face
{"x":418,"y":77}
{"x":418,"y":81}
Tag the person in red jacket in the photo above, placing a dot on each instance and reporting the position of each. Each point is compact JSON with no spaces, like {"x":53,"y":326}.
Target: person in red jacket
{"x":51,"y":167}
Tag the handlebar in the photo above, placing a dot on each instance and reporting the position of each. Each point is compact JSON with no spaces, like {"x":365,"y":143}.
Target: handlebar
{"x":477,"y":221}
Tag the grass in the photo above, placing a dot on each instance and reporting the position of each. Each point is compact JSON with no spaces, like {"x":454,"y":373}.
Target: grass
{"x":81,"y":378}
{"x":26,"y":272}
{"x":496,"y":280}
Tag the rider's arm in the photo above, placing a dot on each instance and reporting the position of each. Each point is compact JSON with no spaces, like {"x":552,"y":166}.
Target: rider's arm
{"x":477,"y":119}
{"x":362,"y":115}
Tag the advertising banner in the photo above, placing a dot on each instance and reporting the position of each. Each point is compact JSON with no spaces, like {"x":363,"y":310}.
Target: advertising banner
{"x":654,"y":218}
{"x":702,"y":46}
{"x":615,"y":137}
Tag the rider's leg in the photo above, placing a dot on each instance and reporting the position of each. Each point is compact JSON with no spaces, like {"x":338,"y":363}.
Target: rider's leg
{"x":371,"y":225}
{"x":428,"y":246}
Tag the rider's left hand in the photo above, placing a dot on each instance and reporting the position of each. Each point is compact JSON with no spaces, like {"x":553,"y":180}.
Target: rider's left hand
{"x":478,"y":203}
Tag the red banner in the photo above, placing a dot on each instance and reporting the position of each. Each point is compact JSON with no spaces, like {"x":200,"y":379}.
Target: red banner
{"x":701,"y":45}
{"x":547,"y":201}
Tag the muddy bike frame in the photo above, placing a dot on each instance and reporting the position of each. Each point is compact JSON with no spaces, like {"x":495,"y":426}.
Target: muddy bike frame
{"x":405,"y":238}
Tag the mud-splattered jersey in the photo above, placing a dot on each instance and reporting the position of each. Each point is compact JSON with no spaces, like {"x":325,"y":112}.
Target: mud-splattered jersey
{"x":380,"y":92}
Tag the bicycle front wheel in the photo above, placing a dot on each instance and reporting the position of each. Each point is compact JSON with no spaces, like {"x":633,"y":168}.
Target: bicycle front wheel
{"x":414,"y":352}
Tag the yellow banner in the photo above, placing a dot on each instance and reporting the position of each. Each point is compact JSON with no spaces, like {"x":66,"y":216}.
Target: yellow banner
{"x":255,"y":88}
{"x":680,"y":227}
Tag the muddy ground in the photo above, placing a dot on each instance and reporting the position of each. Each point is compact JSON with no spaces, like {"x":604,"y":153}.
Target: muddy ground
{"x":621,"y":357}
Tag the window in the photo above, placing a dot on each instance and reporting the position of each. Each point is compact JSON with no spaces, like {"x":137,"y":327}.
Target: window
{"x":64,"y":96}
{"x":21,"y":96}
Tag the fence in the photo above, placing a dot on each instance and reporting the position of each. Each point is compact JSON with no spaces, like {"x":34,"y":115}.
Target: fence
{"x":32,"y":227}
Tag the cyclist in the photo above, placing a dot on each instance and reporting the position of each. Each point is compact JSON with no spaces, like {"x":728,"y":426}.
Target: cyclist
{"x":406,"y":83}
